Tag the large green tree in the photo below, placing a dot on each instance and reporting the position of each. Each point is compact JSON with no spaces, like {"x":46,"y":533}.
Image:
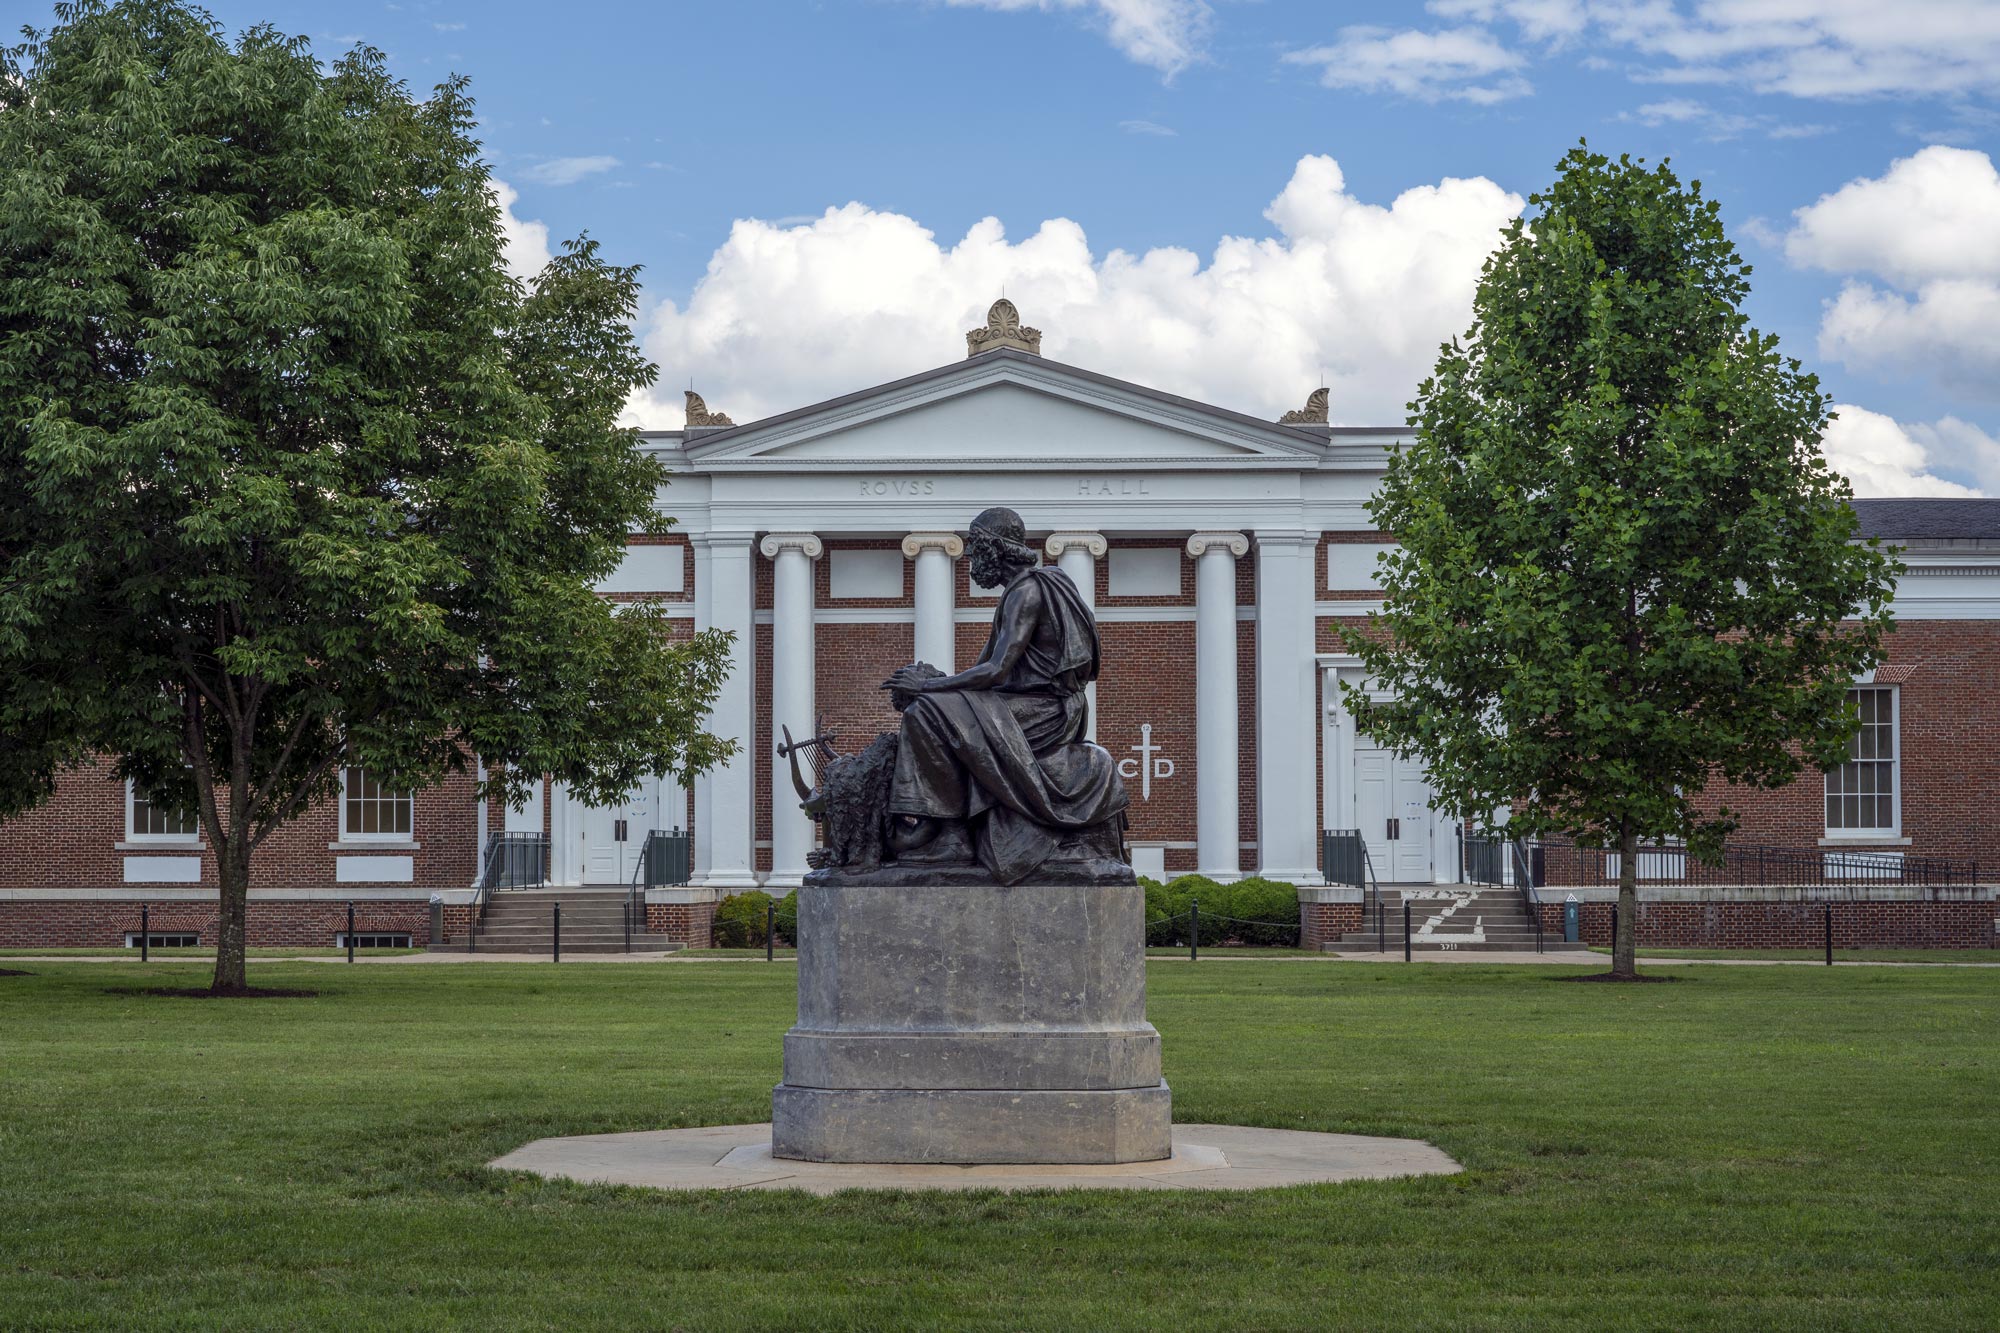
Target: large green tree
{"x":1625,"y":573}
{"x":293,"y":474}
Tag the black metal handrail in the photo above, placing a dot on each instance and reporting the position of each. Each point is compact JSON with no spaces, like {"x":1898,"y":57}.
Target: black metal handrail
{"x":513,"y":861}
{"x":1556,"y":861}
{"x":664,"y":858}
{"x":1524,"y":881}
{"x":1345,"y":859}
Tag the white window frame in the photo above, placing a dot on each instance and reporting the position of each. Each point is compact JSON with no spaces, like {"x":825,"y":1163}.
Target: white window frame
{"x":349,"y":836}
{"x":1895,"y":828}
{"x":132,"y":833}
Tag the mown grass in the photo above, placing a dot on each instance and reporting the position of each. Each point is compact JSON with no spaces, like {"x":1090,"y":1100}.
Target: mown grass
{"x":1771,"y":1148}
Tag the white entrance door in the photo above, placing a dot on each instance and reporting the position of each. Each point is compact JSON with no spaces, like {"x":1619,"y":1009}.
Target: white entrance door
{"x":613,"y":836}
{"x":1392,"y":808}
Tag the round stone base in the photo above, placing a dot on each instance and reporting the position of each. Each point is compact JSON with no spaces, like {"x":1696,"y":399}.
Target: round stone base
{"x":971,"y":1126}
{"x":1204,"y":1157}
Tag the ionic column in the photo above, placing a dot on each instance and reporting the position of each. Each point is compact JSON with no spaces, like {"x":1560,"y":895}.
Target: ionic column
{"x":792,"y":555}
{"x":1077,"y":554}
{"x":1216,"y":749}
{"x":725,"y":796}
{"x":1287,"y":813}
{"x":933,"y":553}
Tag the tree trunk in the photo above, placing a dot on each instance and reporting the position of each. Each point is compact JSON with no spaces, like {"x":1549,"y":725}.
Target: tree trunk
{"x":232,"y":860}
{"x":1624,"y":952}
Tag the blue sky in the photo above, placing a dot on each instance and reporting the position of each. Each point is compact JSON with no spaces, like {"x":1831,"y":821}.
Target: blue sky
{"x":1161,"y":127}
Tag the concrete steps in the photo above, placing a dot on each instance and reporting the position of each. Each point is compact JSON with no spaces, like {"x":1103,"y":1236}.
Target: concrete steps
{"x":593,"y":922}
{"x":1464,"y":918}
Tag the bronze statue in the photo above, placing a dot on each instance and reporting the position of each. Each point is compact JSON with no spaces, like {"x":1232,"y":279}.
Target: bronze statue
{"x":990,"y":778}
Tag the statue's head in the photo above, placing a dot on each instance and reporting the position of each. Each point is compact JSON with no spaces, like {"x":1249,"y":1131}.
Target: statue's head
{"x":997,"y":546}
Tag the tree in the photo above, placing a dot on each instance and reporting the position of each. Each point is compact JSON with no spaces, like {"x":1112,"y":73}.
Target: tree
{"x":1625,"y":571}
{"x":293,"y":474}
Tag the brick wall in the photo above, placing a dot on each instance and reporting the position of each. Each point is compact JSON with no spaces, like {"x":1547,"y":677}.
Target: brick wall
{"x":68,"y":924}
{"x":691,"y":923}
{"x":1792,"y":925}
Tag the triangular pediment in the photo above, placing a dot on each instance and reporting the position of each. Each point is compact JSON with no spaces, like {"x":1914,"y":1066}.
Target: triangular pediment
{"x":1007,"y":410}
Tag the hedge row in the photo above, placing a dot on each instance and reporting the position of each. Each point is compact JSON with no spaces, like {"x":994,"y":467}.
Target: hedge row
{"x":1251,"y":911}
{"x":739,"y":920}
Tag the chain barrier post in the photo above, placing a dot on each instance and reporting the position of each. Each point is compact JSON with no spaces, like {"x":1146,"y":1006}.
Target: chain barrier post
{"x":770,"y":929}
{"x":555,"y":934}
{"x":1829,"y":934}
{"x":1194,"y":930}
{"x":145,"y":932}
{"x":350,"y":932}
{"x":1406,"y":930}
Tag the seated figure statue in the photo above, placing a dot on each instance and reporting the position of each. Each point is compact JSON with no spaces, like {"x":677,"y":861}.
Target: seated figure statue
{"x":992,"y":763}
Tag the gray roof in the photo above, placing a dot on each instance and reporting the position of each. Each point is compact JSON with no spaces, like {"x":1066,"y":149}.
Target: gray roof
{"x":1905,"y":520}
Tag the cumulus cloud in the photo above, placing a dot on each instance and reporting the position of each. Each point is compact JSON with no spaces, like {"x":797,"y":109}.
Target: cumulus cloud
{"x":1929,"y":227}
{"x":1167,"y":35}
{"x":526,"y":242}
{"x":786,"y":316}
{"x":1458,"y":64}
{"x":569,"y":170}
{"x":1886,"y":458}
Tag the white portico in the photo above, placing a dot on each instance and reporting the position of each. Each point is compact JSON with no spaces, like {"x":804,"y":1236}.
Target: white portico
{"x":832,"y":531}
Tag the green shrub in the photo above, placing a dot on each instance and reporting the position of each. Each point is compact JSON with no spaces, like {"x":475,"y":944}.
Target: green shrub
{"x":1252,"y":911}
{"x":739,"y":920}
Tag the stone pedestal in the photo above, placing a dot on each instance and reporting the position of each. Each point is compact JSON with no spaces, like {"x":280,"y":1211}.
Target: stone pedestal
{"x":974,"y":1024}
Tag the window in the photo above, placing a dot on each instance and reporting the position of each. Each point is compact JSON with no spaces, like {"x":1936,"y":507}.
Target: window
{"x":163,"y":940}
{"x":145,"y":821}
{"x":1862,"y":794}
{"x":368,"y":810}
{"x":374,"y":939}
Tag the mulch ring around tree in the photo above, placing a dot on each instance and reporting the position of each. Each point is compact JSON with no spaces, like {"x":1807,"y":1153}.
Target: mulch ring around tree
{"x":210,"y":993}
{"x":1612,"y":976}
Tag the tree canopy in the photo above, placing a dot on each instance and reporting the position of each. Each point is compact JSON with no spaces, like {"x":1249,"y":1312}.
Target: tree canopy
{"x":1624,"y":572}
{"x":293,"y":473}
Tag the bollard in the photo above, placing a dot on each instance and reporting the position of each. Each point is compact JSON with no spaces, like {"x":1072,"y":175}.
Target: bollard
{"x":350,"y":932}
{"x":1829,"y":934}
{"x":628,"y":924}
{"x":1194,"y":930}
{"x":1406,"y":930}
{"x":145,"y":932}
{"x":555,"y":934}
{"x":770,"y":930}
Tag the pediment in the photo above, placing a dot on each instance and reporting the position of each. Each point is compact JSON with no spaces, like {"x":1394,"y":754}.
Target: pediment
{"x":1007,"y":411}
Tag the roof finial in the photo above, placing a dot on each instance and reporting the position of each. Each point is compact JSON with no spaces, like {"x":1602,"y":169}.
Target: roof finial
{"x":699,"y":415}
{"x":1314,"y":413}
{"x":1003,"y":329}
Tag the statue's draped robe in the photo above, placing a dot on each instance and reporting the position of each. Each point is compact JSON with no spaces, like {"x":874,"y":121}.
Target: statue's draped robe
{"x":1015,"y":752}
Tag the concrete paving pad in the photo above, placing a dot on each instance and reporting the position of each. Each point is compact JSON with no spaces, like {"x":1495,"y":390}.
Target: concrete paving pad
{"x":1214,"y":1157}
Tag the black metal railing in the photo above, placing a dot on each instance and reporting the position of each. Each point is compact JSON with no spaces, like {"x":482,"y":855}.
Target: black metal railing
{"x":664,"y":858}
{"x":513,"y":861}
{"x":1524,"y":881}
{"x":1344,"y":859}
{"x":1496,"y":861}
{"x":1559,"y":862}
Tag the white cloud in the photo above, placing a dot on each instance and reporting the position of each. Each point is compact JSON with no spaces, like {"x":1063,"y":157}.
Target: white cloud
{"x":1930,"y":226}
{"x":568,"y":170}
{"x":1885,"y":458}
{"x":788,"y":316}
{"x":1167,"y":35}
{"x":1458,"y":64}
{"x":526,"y":244}
{"x":1933,"y":215}
{"x":1804,"y":48}
{"x":1147,"y":127}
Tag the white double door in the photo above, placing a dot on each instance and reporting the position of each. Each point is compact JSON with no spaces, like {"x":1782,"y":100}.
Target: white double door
{"x":1392,"y":808}
{"x":611,"y":838}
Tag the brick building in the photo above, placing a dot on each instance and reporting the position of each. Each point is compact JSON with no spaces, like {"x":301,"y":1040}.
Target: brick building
{"x":1221,"y":552}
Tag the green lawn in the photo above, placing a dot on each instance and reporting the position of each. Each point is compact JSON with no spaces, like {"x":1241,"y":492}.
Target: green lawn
{"x":1768,"y":1148}
{"x":1819,"y":955}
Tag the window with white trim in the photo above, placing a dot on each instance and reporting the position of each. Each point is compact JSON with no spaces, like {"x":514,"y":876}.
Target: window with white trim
{"x":146,"y":821}
{"x":371,"y":812}
{"x":1863,"y":795}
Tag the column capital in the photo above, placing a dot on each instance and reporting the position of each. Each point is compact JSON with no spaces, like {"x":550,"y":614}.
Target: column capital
{"x":722,"y":541}
{"x":1278,"y":538}
{"x":917,"y":543}
{"x":1234,"y":542}
{"x":1092,"y":542}
{"x":802,"y":541}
